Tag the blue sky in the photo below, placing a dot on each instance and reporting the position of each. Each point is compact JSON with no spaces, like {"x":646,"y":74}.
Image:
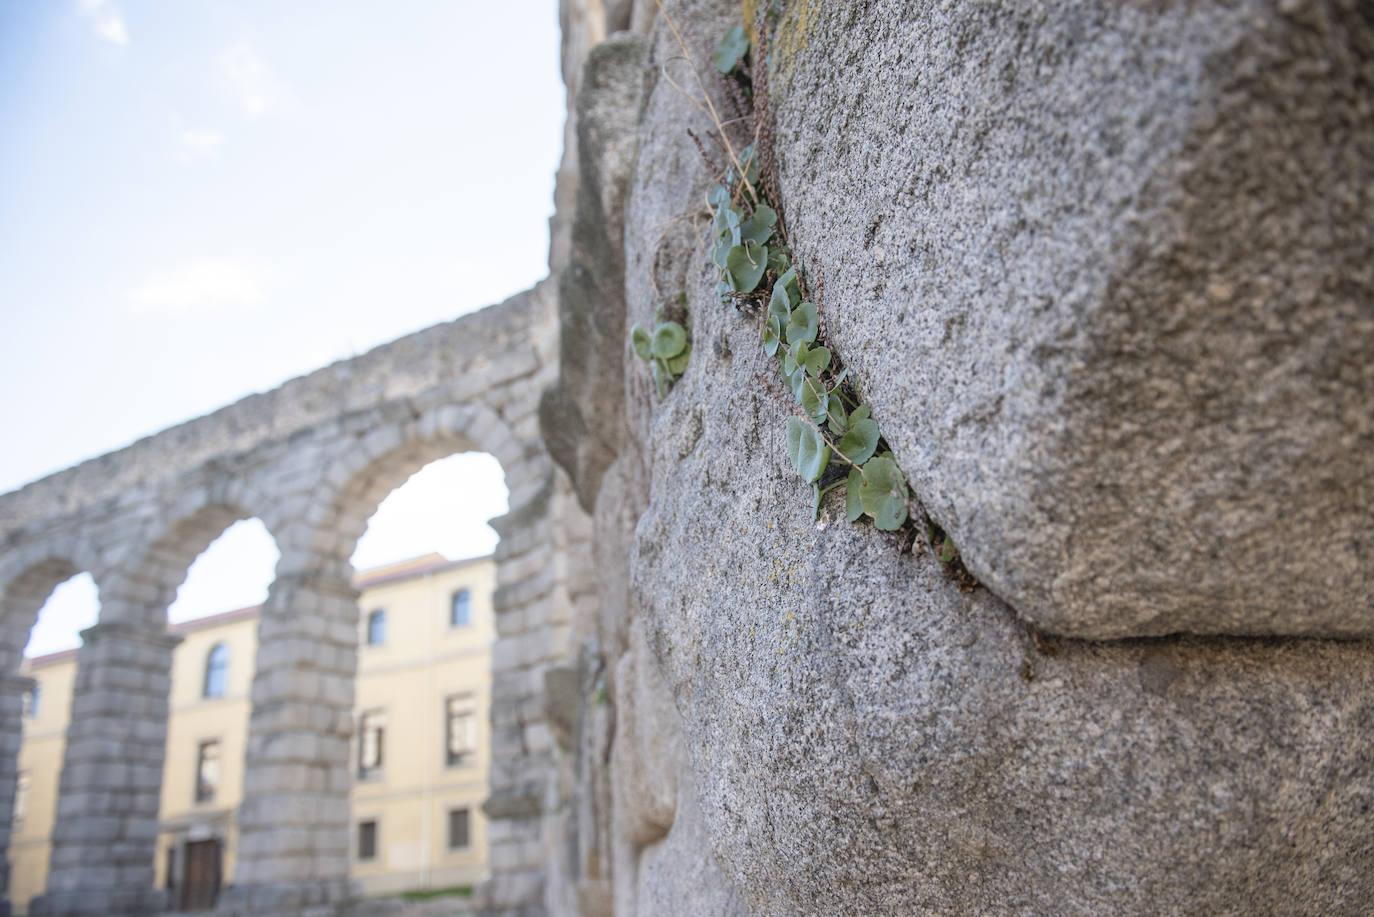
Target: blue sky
{"x":201,"y":199}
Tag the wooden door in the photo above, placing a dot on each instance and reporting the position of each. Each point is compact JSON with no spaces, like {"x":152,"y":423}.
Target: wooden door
{"x":200,"y":882}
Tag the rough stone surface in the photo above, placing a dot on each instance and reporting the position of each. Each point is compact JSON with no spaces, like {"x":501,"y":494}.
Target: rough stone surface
{"x":675,"y":878}
{"x":106,"y":824}
{"x":866,"y":741}
{"x":1103,"y":273}
{"x":631,"y":839}
{"x":863,"y":738}
{"x":582,"y":426}
{"x":1106,"y":273}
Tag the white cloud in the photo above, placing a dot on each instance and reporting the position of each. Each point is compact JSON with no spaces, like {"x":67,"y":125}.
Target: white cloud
{"x":107,"y":20}
{"x":204,"y":285}
{"x":253,"y":85}
{"x":204,"y":144}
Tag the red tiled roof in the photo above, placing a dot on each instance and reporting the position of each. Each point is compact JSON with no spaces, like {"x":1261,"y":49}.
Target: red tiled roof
{"x":50,"y":658}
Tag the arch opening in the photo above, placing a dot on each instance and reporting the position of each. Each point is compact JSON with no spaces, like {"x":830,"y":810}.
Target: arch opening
{"x":425,"y":574}
{"x":234,"y":571}
{"x":215,"y":615}
{"x":71,"y":607}
{"x":383,"y":714}
{"x":443,"y":508}
{"x":37,"y":705}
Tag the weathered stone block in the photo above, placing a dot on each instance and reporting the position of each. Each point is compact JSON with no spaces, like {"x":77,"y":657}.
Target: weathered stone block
{"x":864,"y":738}
{"x":580,"y":424}
{"x":1106,"y":274}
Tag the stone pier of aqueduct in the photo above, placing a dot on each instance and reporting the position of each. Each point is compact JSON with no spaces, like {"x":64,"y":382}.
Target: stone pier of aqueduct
{"x":311,"y":460}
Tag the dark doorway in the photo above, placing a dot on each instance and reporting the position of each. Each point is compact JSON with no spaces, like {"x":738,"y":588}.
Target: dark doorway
{"x":200,"y":882}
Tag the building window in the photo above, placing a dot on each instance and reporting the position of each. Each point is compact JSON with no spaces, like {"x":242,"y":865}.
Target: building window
{"x":21,"y":798}
{"x":461,"y":712}
{"x":207,"y":771}
{"x":367,"y":840}
{"x":461,"y":615}
{"x":217,"y":671}
{"x":458,"y":820}
{"x":32,"y":698}
{"x":371,"y":739}
{"x":376,"y":627}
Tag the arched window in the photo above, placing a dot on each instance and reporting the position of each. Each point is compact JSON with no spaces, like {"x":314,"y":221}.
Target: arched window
{"x":376,"y":627}
{"x":462,"y":609}
{"x":217,"y":671}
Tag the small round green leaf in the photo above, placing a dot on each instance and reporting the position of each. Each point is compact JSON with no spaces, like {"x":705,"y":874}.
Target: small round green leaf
{"x":772,"y":335}
{"x":813,"y":456}
{"x":789,"y":362}
{"x":678,"y":365}
{"x":816,"y":360}
{"x":790,"y":291}
{"x":814,"y":398}
{"x":803,"y":323}
{"x":794,"y":434}
{"x":778,"y":305}
{"x":669,"y":339}
{"x":759,"y":227}
{"x":883,"y":493}
{"x":719,"y":253}
{"x":860,"y":413}
{"x":731,"y":49}
{"x":718,"y":196}
{"x":640,"y":339}
{"x":778,"y":262}
{"x":835,"y":414}
{"x":853,"y":509}
{"x":806,"y":449}
{"x":859,"y":443}
{"x":745,"y":264}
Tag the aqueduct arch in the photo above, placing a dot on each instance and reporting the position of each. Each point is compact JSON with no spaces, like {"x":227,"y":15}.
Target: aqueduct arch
{"x":311,"y":459}
{"x":29,"y":577}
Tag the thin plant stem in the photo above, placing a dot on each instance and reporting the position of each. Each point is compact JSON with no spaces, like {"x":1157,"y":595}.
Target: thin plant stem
{"x":705,"y":95}
{"x":796,"y":409}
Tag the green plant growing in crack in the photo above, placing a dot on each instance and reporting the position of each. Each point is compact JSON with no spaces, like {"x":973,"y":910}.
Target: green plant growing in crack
{"x":753,"y":266}
{"x":666,"y":350}
{"x":832,"y":439}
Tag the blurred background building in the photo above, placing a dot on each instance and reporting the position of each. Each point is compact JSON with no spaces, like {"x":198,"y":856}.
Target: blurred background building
{"x":421,"y":740}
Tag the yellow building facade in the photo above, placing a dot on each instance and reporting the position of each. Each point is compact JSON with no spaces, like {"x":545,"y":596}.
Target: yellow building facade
{"x":420,"y":750}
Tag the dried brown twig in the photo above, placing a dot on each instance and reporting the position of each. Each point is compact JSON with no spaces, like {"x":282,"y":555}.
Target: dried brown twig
{"x":712,"y":114}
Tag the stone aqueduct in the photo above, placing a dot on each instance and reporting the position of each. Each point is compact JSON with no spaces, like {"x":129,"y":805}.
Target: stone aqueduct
{"x":311,"y":460}
{"x":1199,"y":269}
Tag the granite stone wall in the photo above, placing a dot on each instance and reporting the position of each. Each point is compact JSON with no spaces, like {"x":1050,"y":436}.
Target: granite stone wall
{"x":1103,"y":272}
